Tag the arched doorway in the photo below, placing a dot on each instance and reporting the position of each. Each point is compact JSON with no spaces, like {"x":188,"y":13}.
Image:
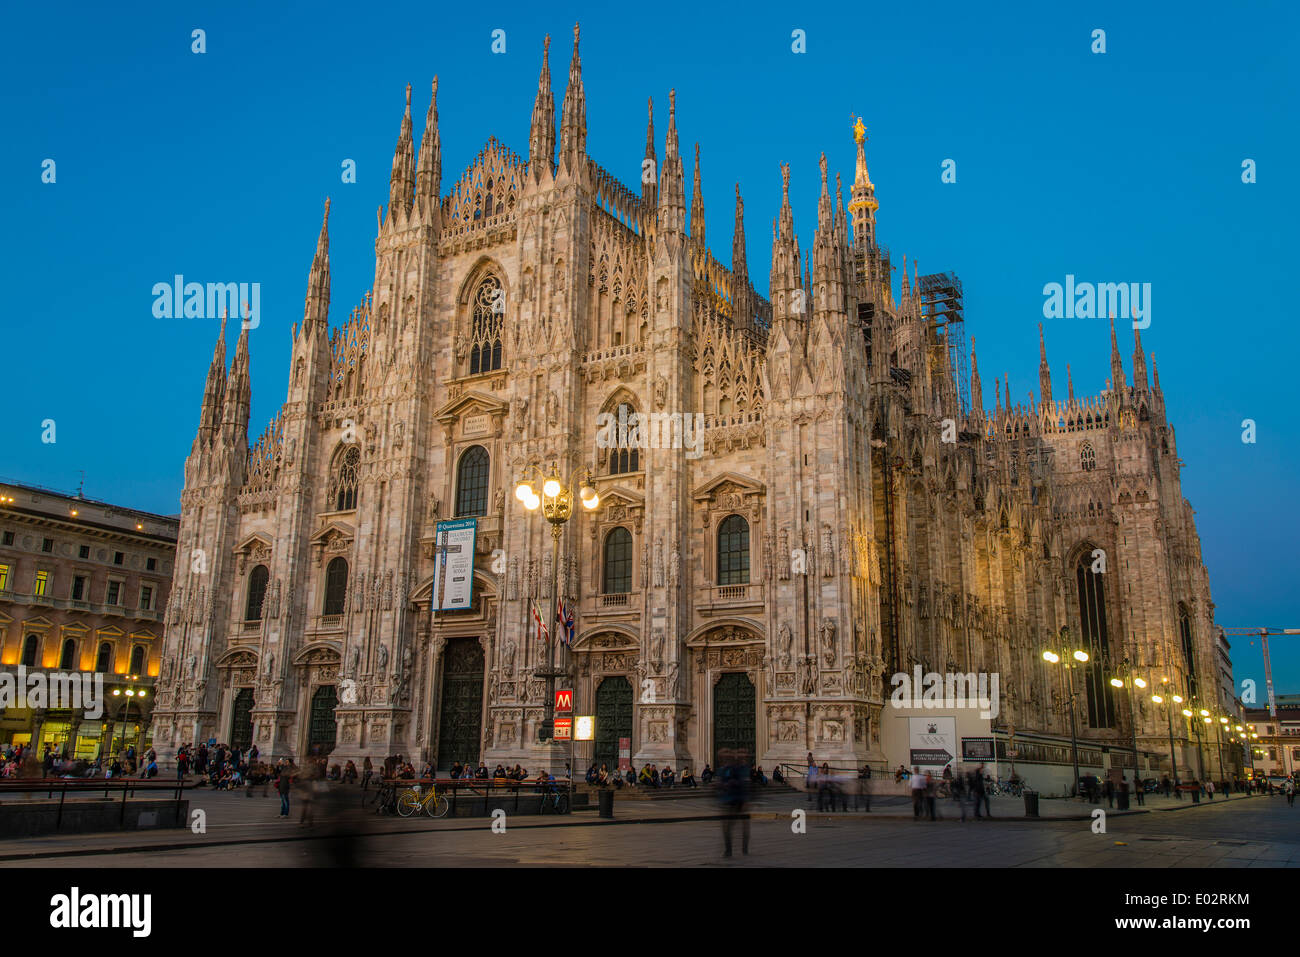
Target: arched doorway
{"x":241,"y":725}
{"x":321,"y":733}
{"x":460,"y":721}
{"x":613,"y":718}
{"x":733,"y":716}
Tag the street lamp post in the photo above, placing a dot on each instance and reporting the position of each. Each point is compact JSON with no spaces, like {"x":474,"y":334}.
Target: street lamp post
{"x":556,"y":502}
{"x":1129,"y":683}
{"x":129,"y":693}
{"x":1169,"y":718}
{"x":1051,"y":657}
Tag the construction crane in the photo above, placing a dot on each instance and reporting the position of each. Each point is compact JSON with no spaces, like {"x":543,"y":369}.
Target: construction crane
{"x":1262,"y":634}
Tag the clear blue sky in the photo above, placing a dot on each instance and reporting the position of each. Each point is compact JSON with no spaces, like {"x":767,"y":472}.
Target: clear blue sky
{"x":1117,"y":167}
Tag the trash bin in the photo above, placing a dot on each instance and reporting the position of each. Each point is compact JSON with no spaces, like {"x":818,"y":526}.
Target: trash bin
{"x":1196,"y":795}
{"x":1121,"y":802}
{"x":606,"y":800}
{"x":1031,"y":803}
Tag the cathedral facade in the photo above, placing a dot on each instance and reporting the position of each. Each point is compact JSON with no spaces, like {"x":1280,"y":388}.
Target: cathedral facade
{"x":846,"y":509}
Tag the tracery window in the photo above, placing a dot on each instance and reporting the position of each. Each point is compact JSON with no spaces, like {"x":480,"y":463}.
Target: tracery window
{"x":346,"y":477}
{"x":1087,"y":457}
{"x":485,"y":327}
{"x":1096,"y":641}
{"x":623,"y":459}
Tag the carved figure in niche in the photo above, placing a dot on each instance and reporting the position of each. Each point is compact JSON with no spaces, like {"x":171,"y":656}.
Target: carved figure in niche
{"x":508,"y":656}
{"x":787,"y":643}
{"x":291,"y":452}
{"x":661,"y":392}
{"x":552,"y":408}
{"x":659,"y":561}
{"x":657,"y":646}
{"x":519,"y":411}
{"x":674,"y":563}
{"x":828,"y":639}
{"x":354,"y":660}
{"x":399,"y":432}
{"x":383,"y":657}
{"x":270,"y":664}
{"x":499,"y":501}
{"x":191,"y":663}
{"x":434,"y":506}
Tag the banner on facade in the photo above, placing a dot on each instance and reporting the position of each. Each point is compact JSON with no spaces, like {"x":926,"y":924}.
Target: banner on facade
{"x":453,"y":564}
{"x":563,"y":729}
{"x":977,"y":749}
{"x":933,"y":741}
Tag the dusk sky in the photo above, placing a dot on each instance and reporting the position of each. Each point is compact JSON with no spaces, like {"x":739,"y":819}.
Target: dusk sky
{"x":1124,"y":166}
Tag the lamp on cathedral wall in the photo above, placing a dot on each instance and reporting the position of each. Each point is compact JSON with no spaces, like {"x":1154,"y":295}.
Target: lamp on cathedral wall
{"x":556,"y":502}
{"x":1063,"y":658}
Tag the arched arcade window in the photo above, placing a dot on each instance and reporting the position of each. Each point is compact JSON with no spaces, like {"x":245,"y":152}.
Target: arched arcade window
{"x":733,"y":551}
{"x":256,"y":593}
{"x":472,"y":482}
{"x":618,"y":562}
{"x":336,"y":586}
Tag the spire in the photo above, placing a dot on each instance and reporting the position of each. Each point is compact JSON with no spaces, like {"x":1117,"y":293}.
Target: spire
{"x":1139,"y":363}
{"x":234,"y":415}
{"x":824,"y":208}
{"x":1116,"y":363}
{"x":1044,"y":370}
{"x":841,"y":223}
{"x":907,"y":289}
{"x":1006,"y":377}
{"x":997,"y":398}
{"x":863,"y":205}
{"x":650,"y":170}
{"x":787,"y":214}
{"x":316,"y":308}
{"x":541,"y":135}
{"x":573,"y":119}
{"x":401,"y":186}
{"x":1069,"y":378}
{"x":1155,"y":374}
{"x":697,"y":203}
{"x":976,"y":391}
{"x":428,"y":177}
{"x":214,"y":388}
{"x":739,"y":267}
{"x":672,"y":190}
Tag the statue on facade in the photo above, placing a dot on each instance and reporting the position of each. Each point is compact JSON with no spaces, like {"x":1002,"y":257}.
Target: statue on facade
{"x":354,"y":660}
{"x":787,"y":643}
{"x":383,"y":657}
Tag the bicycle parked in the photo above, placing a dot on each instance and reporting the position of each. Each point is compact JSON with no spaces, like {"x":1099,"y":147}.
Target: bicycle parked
{"x":555,"y":801}
{"x":381,"y":799}
{"x":412,"y":801}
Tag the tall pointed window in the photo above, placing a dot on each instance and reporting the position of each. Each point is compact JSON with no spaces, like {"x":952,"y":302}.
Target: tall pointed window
{"x":733,"y":551}
{"x":336,"y":586}
{"x":472,"y":482}
{"x":618,"y":562}
{"x":485,"y":326}
{"x":1087,"y":457}
{"x":345,"y":478}
{"x":1095,"y":640}
{"x":256,"y":593}
{"x":1189,"y":648}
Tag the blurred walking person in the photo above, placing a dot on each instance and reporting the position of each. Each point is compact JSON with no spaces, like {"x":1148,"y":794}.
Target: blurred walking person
{"x":734,"y":779}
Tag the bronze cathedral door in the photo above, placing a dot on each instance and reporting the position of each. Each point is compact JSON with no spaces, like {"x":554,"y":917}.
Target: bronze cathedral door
{"x":461,"y":716}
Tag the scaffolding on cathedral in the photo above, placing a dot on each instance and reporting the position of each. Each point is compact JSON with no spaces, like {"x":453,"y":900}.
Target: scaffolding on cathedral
{"x":941,"y":301}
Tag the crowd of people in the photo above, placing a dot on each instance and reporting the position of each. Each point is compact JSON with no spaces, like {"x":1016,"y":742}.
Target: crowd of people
{"x":20,"y":760}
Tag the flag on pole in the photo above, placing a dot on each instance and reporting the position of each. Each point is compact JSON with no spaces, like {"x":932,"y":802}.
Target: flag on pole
{"x":542,"y":633}
{"x":565,"y":617}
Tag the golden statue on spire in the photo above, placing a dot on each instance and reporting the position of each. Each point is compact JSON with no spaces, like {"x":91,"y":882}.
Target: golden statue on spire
{"x":859,"y":130}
